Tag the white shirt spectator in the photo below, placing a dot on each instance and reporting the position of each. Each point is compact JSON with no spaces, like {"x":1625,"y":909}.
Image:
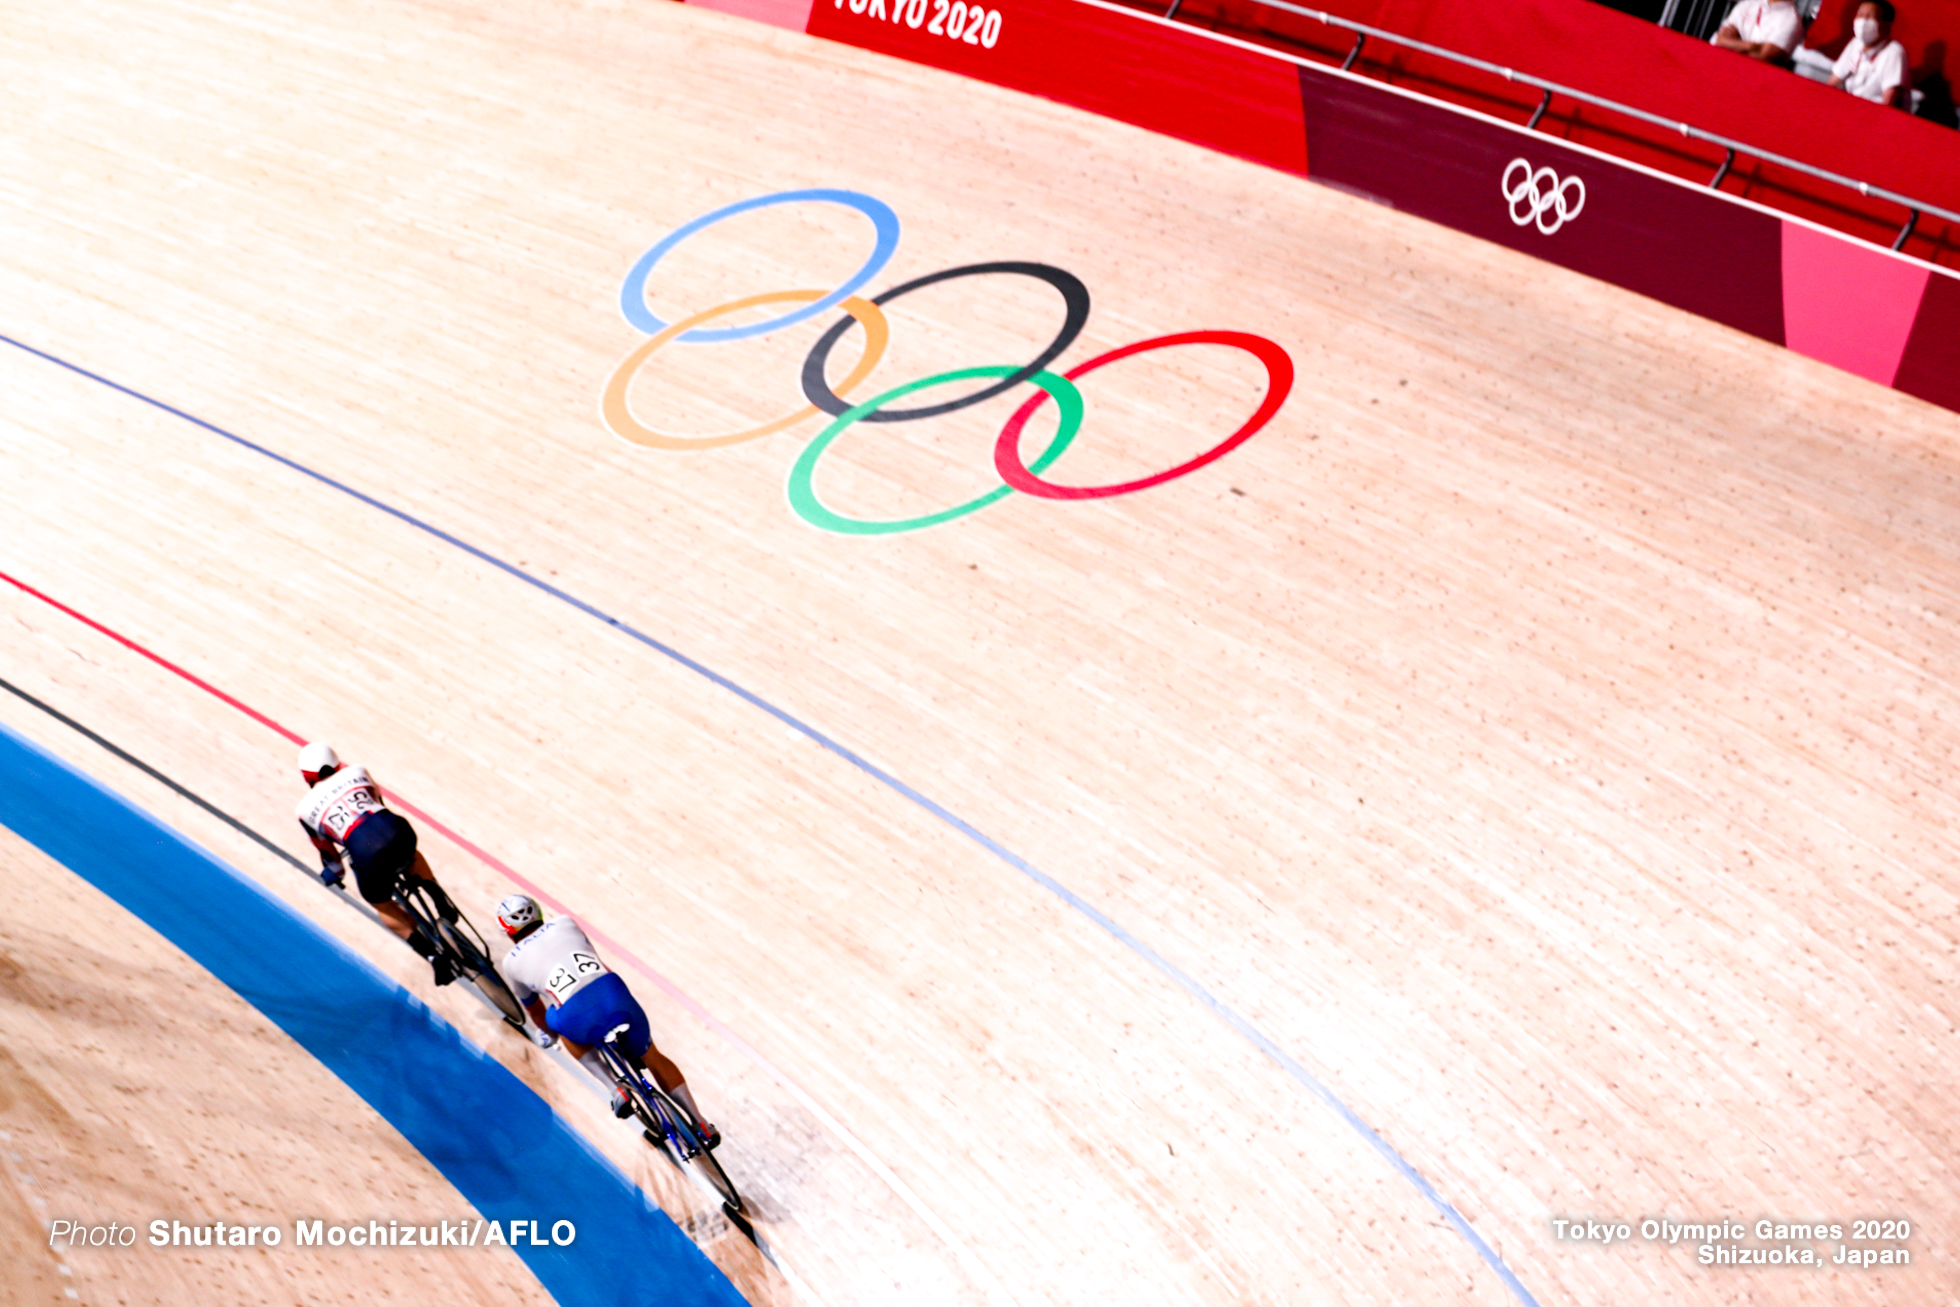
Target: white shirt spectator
{"x":1766,"y":20}
{"x":1869,"y":71}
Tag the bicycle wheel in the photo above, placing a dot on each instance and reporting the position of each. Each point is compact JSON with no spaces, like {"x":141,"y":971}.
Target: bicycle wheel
{"x":492,"y":987}
{"x":483,"y":974}
{"x":703,"y":1162}
{"x":709,"y":1169}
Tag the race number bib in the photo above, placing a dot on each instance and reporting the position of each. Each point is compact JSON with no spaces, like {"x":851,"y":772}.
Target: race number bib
{"x":348,"y":809}
{"x":568,"y":976}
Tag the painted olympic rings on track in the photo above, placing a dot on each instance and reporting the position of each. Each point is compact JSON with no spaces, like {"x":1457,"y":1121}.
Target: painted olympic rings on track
{"x":620,"y":417}
{"x":633,"y":294}
{"x":1013,"y":472}
{"x":1279,"y":384}
{"x":1075,"y":301}
{"x":803,"y":494}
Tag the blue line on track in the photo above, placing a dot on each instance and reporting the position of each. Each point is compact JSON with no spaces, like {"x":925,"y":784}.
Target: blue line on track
{"x":494,"y":1139}
{"x":1169,"y":969}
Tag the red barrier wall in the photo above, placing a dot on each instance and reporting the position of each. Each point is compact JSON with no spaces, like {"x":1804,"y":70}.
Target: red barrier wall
{"x":1591,"y":48}
{"x":1174,"y":82}
{"x":1892,"y":319}
{"x":1673,"y":243}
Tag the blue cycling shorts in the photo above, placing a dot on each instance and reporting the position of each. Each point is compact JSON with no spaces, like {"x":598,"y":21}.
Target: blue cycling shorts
{"x":596,"y":1008}
{"x":381,"y":849}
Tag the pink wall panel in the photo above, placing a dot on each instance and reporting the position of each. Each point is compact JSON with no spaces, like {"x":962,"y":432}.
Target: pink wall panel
{"x":793,"y":14}
{"x":1849,"y":305}
{"x":1931,"y":368}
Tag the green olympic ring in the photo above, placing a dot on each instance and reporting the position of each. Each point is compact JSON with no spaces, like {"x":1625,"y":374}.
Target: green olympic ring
{"x":803,"y":494}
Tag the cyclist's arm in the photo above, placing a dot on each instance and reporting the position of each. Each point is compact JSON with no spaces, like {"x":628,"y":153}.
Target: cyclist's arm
{"x":328,"y":850}
{"x":526,"y":997}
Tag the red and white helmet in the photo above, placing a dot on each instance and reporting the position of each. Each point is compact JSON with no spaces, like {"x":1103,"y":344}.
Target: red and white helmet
{"x":517,"y":913}
{"x":316,"y":759}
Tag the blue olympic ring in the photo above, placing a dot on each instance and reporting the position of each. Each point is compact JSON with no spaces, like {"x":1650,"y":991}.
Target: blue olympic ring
{"x":633,"y":295}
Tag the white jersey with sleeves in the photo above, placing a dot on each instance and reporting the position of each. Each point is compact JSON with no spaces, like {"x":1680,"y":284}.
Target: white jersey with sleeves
{"x":553,"y":962}
{"x":1869,"y":71}
{"x":1763,"y":20}
{"x":333,"y":806}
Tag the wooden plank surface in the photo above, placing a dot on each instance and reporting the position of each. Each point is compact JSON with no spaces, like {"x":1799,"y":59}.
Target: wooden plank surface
{"x":1538,"y":731}
{"x":137,"y":1088}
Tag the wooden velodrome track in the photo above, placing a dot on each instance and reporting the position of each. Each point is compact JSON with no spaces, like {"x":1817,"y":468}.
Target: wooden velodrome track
{"x":1538,"y":734}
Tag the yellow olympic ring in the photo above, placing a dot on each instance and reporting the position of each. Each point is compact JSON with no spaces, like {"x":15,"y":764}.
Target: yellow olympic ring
{"x":612,"y":405}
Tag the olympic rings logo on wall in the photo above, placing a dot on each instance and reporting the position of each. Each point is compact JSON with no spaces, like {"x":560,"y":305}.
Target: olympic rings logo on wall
{"x":1536,"y":194}
{"x":868,"y":314}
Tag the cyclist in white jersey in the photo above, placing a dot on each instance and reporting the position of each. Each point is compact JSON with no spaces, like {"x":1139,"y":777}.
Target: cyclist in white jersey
{"x":558,"y":977}
{"x":343,"y":810}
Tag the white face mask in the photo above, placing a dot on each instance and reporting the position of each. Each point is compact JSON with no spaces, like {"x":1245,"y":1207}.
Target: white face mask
{"x":1867,"y":30}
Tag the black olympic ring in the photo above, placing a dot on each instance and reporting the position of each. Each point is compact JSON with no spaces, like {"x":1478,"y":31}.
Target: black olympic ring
{"x":1075,"y":299}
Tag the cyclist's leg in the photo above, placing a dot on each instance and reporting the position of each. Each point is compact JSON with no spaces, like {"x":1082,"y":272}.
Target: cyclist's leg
{"x":399,"y":922}
{"x":440,"y":963}
{"x":580,"y":1025}
{"x":665,"y":1073}
{"x":670,"y":1080}
{"x":403,"y":925}
{"x":418,"y":869}
{"x":382,"y":851}
{"x":595,"y":1011}
{"x":587,"y":1056}
{"x":375,"y":874}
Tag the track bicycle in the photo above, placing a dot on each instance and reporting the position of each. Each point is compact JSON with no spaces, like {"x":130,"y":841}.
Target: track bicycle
{"x":436,"y":915}
{"x":668,"y":1126}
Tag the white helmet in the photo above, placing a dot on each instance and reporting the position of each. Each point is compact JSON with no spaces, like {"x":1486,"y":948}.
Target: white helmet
{"x":517,"y":913}
{"x":315,"y":758}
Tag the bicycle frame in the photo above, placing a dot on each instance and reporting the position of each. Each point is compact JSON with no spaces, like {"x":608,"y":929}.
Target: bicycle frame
{"x":678,"y":1136}
{"x":424,"y":902}
{"x":635,"y":1077}
{"x":440,"y":921}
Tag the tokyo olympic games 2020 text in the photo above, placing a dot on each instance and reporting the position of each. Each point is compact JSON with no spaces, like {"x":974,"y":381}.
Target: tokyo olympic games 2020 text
{"x":969,"y":24}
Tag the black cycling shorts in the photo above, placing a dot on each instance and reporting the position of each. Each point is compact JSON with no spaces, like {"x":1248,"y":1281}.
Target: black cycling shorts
{"x":380,"y":849}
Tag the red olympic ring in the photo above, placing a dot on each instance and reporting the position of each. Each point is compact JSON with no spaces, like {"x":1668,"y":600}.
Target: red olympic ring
{"x":1279,"y":383}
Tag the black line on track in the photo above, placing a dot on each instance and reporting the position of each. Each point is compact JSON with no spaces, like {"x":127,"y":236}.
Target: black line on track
{"x":155,"y":775}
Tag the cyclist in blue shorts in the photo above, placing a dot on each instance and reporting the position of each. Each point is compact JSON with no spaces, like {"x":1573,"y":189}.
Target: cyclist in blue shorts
{"x":558,"y":977}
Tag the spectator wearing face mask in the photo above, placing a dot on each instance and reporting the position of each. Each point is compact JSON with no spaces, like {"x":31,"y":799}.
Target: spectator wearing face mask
{"x":1762,"y":29}
{"x":1873,"y":65}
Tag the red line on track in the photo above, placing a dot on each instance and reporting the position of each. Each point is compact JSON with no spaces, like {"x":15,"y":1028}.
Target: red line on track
{"x":159,"y":660}
{"x":455,"y":837}
{"x":982,"y":1274}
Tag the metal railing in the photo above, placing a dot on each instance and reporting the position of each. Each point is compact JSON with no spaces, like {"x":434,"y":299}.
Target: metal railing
{"x":1362,"y":32}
